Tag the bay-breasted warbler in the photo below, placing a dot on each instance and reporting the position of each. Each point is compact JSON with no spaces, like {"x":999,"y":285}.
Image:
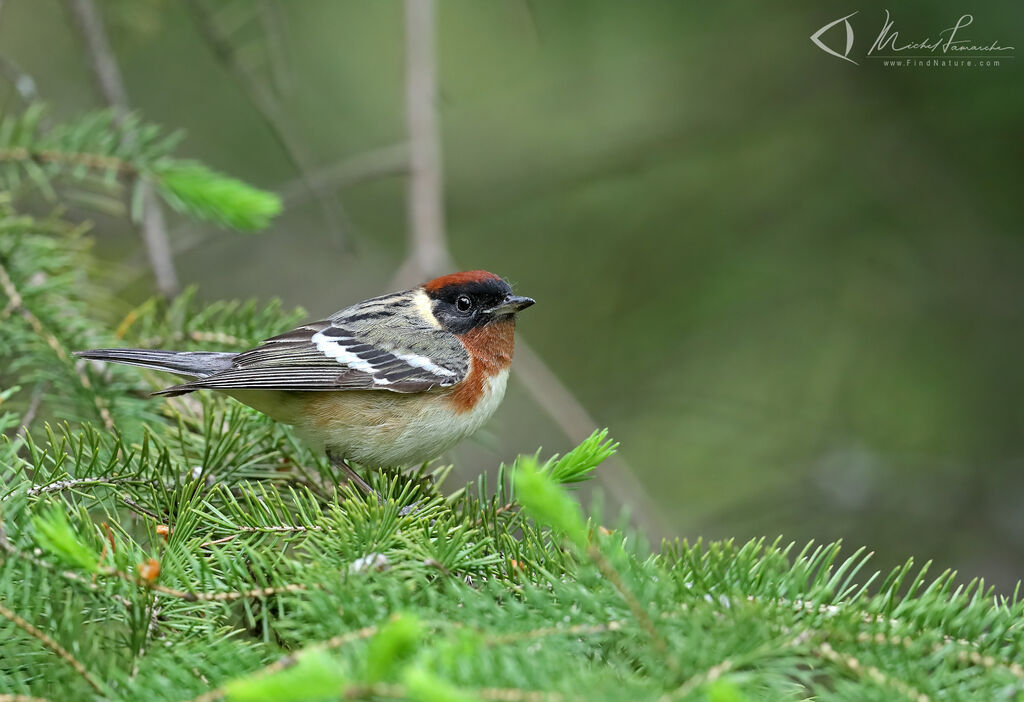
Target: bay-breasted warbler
{"x":391,"y":381}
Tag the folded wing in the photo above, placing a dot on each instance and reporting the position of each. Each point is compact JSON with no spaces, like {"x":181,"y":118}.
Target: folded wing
{"x":374,"y":345}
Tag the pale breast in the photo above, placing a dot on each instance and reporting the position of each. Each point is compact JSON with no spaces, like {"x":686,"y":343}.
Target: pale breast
{"x":379,"y":428}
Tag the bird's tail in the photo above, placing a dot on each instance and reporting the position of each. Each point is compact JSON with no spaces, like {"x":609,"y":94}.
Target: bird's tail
{"x":195,"y":364}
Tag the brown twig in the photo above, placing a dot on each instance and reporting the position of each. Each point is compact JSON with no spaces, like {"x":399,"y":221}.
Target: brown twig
{"x":430,"y":255}
{"x":371,"y":165}
{"x":153,"y":228}
{"x":272,"y":113}
{"x":282,"y":528}
{"x":375,"y":164}
{"x":139,"y":509}
{"x":191,"y":596}
{"x":95,"y":161}
{"x":428,"y":249}
{"x":222,"y":540}
{"x":49,"y":643}
{"x":555,"y":398}
{"x":860,"y":670}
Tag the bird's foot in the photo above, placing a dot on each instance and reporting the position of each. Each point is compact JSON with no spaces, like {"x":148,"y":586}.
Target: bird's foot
{"x":365,"y":486}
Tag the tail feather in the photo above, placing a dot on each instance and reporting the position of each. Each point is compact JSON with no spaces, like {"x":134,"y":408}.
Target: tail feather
{"x":195,"y":364}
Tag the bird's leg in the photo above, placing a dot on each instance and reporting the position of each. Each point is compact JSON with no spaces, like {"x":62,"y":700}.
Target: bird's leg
{"x":363,"y":485}
{"x":338,"y":461}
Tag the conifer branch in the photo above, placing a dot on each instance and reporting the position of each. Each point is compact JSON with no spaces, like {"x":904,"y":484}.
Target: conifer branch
{"x":575,"y":630}
{"x":638,"y":610}
{"x":291,"y":660}
{"x":193,"y":596}
{"x":495,"y":694}
{"x":16,"y":304}
{"x":261,"y":552}
{"x":853,"y":665}
{"x":76,"y":483}
{"x":49,"y":643}
{"x":69,"y":575}
{"x":99,"y":162}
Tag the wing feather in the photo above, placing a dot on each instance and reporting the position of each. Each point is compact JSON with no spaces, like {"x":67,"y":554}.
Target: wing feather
{"x":383,"y":343}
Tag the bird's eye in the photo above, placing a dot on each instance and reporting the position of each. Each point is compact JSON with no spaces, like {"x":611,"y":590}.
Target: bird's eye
{"x":463,"y":303}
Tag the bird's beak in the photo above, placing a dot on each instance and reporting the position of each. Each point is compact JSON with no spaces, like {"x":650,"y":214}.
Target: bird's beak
{"x":511,"y":304}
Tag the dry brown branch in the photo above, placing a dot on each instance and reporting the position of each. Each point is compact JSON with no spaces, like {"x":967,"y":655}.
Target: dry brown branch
{"x":96,"y":161}
{"x":191,"y":596}
{"x":273,"y":22}
{"x":108,"y":77}
{"x":107,"y":73}
{"x":429,"y":255}
{"x":428,"y":249}
{"x":49,"y":643}
{"x":555,"y":398}
{"x":104,"y":66}
{"x":139,"y":509}
{"x":371,"y":165}
{"x":272,"y":113}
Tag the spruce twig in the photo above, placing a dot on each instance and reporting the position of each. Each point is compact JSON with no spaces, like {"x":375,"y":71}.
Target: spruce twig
{"x":49,"y":643}
{"x":16,"y":303}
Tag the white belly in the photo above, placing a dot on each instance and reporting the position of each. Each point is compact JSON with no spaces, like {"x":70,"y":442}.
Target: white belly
{"x":376,"y":427}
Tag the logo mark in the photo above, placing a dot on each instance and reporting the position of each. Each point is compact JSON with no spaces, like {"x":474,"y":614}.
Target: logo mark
{"x":816,"y":38}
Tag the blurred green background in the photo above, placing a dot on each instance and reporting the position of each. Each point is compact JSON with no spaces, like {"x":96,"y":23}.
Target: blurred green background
{"x":791,"y":286}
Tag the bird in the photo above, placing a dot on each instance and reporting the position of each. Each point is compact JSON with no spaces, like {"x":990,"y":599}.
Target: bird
{"x":392,"y":381}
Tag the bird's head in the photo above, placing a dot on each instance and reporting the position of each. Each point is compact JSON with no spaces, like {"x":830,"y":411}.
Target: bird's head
{"x":464,"y":301}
